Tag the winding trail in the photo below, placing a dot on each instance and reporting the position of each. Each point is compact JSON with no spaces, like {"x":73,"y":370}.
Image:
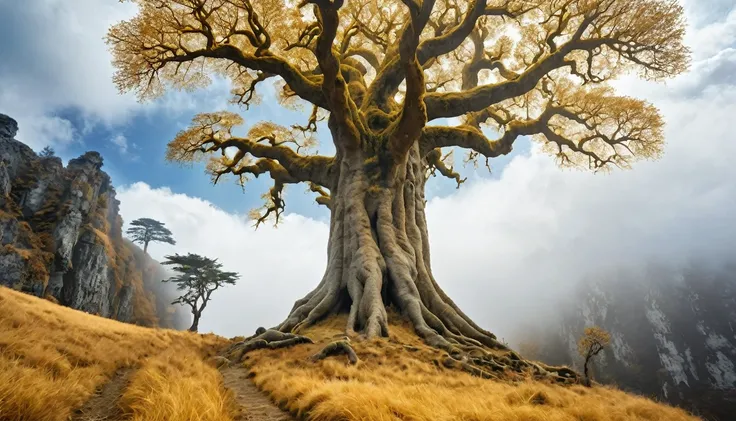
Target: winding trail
{"x":103,"y":405}
{"x":255,"y":405}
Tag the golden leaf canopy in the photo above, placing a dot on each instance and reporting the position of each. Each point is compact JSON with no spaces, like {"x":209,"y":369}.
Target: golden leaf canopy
{"x":380,"y":70}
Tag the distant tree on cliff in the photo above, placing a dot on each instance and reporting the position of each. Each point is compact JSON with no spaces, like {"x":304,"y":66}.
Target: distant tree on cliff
{"x":146,"y":230}
{"x":47,"y":152}
{"x":198,"y":277}
{"x":591,"y":344}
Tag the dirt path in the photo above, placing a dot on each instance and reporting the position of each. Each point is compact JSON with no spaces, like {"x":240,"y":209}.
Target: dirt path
{"x":103,"y":405}
{"x":256,"y":406}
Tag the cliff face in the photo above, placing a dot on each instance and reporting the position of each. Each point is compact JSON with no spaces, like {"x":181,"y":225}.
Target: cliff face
{"x":61,"y":237}
{"x":673,"y":335}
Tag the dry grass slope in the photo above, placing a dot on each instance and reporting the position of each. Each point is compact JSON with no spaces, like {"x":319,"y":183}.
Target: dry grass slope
{"x":178,"y":386}
{"x":52,"y":359}
{"x":401,"y":379}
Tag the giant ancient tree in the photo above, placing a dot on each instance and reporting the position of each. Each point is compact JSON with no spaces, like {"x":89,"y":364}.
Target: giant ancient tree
{"x":398,"y":82}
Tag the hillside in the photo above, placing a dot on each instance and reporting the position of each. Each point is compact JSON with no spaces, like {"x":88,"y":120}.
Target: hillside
{"x":61,"y":237}
{"x":52,"y":359}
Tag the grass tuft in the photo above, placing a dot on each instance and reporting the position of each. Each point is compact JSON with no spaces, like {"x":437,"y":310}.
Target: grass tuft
{"x":177,"y":386}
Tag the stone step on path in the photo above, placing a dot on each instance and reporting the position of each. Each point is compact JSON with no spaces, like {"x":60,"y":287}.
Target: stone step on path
{"x":255,"y":405}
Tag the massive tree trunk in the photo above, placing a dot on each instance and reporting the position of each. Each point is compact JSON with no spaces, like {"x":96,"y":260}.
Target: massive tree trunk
{"x":378,"y":255}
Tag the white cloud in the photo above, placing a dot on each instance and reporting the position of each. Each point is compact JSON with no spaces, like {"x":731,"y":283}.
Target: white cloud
{"x":277,"y":265}
{"x":55,"y":58}
{"x":712,"y":26}
{"x":121,"y":142}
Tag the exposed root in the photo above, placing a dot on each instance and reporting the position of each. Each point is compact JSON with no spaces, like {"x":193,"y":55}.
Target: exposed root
{"x":271,"y":339}
{"x":481,"y":363}
{"x":450,"y":362}
{"x":561,"y":374}
{"x":336,"y":348}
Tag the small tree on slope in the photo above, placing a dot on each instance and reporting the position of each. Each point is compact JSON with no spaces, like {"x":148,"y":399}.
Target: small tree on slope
{"x":198,"y":277}
{"x":147,"y":230}
{"x":380,"y":72}
{"x":591,"y":344}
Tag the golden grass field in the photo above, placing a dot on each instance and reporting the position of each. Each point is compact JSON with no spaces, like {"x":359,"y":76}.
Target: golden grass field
{"x":393,"y":383}
{"x":52,"y":359}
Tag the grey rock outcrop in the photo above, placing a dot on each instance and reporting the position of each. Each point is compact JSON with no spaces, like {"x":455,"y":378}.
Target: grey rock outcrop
{"x":87,"y":287}
{"x":61,"y":237}
{"x":8,"y":126}
{"x":673,"y":334}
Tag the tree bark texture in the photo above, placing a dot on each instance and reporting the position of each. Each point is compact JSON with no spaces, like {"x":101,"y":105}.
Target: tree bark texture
{"x":378,"y":255}
{"x":195,"y":322}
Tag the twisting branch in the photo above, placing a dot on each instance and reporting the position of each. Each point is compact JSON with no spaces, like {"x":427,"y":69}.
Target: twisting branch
{"x":436,"y":162}
{"x":245,"y":95}
{"x":604,"y":32}
{"x":365,"y":54}
{"x":211,"y":133}
{"x":413,"y":113}
{"x":152,"y":49}
{"x":580,"y":127}
{"x":324,"y":197}
{"x":333,"y":86}
{"x":311,"y":126}
{"x":391,"y":76}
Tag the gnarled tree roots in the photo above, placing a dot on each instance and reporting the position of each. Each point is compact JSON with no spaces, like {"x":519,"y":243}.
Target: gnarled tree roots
{"x":271,"y":339}
{"x":481,"y":363}
{"x":336,"y":348}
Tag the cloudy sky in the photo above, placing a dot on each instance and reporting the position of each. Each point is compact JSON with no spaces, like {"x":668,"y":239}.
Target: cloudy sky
{"x":505,"y":246}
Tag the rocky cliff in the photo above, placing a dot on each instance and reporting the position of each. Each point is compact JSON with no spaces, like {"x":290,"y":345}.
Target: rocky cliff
{"x":673,"y":334}
{"x":61,"y":238}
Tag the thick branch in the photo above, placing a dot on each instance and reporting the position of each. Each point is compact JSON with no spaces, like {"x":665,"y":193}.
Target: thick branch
{"x":469,"y":137}
{"x":391,"y":76}
{"x":315,"y":168}
{"x":413,"y":114}
{"x":333,"y":86}
{"x":453,"y":104}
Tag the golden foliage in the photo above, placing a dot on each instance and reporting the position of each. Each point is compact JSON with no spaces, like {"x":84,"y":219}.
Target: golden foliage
{"x":52,"y":359}
{"x":593,"y":341}
{"x":401,"y":378}
{"x":497,"y":56}
{"x":189,"y":144}
{"x":598,"y":129}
